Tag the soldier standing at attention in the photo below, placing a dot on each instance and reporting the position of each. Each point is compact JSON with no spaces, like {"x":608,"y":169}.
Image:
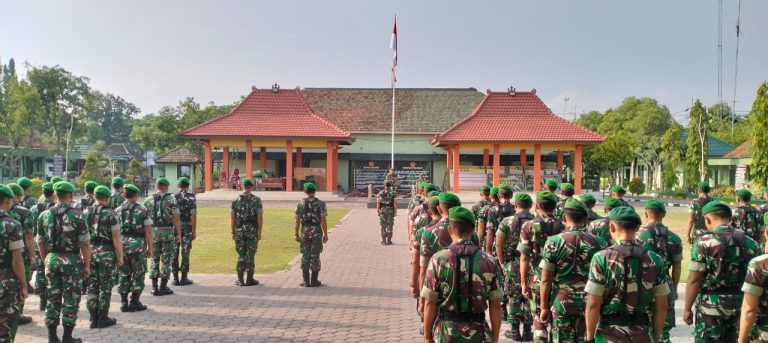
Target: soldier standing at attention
{"x":106,"y":257}
{"x":485,"y":195}
{"x":417,"y":200}
{"x":434,"y":217}
{"x":495,"y":215}
{"x":28,"y":200}
{"x":590,"y":202}
{"x":507,"y":240}
{"x":117,"y":192}
{"x":618,"y":192}
{"x":62,"y":238}
{"x":754,"y":307}
{"x":550,"y":185}
{"x":136,"y":232}
{"x":601,"y":227}
{"x":483,"y":224}
{"x":696,"y":225}
{"x":47,"y":202}
{"x":188,"y":216}
{"x":387,"y":209}
{"x":13,"y":283}
{"x":627,"y":290}
{"x":311,"y":216}
{"x":166,"y":233}
{"x":564,"y":273}
{"x":421,"y":212}
{"x":747,"y":218}
{"x":566,"y":190}
{"x":88,"y":199}
{"x":658,"y":238}
{"x":24,"y":216}
{"x":246,"y":222}
{"x":460,"y":286}
{"x":718,"y":266}
{"x":532,"y":238}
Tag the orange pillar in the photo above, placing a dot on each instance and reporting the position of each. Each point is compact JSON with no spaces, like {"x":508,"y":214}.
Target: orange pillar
{"x":208,"y":166}
{"x":225,"y":162}
{"x":335,"y":175}
{"x":523,"y":158}
{"x":288,"y":166}
{"x":456,"y":168}
{"x":560,"y":160}
{"x":248,"y":159}
{"x":536,"y":167}
{"x":496,"y":164}
{"x":263,"y":159}
{"x":486,"y":158}
{"x":577,"y":169}
{"x":449,"y":165}
{"x":299,"y":160}
{"x":328,"y":167}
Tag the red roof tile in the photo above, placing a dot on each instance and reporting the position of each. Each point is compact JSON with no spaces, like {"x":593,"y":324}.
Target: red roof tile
{"x":521,"y":117}
{"x":741,"y":151}
{"x":265,"y":113}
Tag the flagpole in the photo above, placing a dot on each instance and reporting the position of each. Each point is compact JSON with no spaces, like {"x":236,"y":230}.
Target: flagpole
{"x":393,"y":46}
{"x":393,"y":126}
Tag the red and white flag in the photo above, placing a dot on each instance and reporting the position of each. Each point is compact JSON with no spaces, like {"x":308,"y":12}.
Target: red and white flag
{"x":393,"y":46}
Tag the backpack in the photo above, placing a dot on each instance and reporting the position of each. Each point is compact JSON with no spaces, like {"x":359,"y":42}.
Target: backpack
{"x":660,"y":238}
{"x":699,"y":216}
{"x":158,"y":217}
{"x":749,"y":222}
{"x":94,"y":226}
{"x":386,"y":198}
{"x":507,"y":209}
{"x":517,"y":223}
{"x":182,"y":199}
{"x":465,"y":289}
{"x":127,"y":212}
{"x":57,"y":232}
{"x":248,"y":212}
{"x":310,"y":217}
{"x":629,"y":253}
{"x":739,"y":240}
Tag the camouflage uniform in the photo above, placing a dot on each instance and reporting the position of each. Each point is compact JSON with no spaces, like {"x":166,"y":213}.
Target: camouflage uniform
{"x":11,"y":239}
{"x":658,"y":238}
{"x":601,"y":228}
{"x":134,"y":217}
{"x":24,"y":216}
{"x":162,"y":207}
{"x":29,"y":201}
{"x":434,"y":239}
{"x":755,"y":283}
{"x":85,"y":202}
{"x":627,"y":304}
{"x":461,"y":307}
{"x":560,"y":208}
{"x":246,"y":208}
{"x":695,"y":207}
{"x":40,"y":282}
{"x":509,"y":231}
{"x":532,"y":238}
{"x":386,"y":213}
{"x":748,"y":219}
{"x":62,"y":229}
{"x":310,"y":212}
{"x":116,"y":199}
{"x":722,"y":256}
{"x":567,"y":256}
{"x":592,"y":215}
{"x":187,"y":209}
{"x":101,"y":221}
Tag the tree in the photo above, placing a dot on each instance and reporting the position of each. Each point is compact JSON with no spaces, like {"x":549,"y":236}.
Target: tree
{"x":758,"y":119}
{"x":612,"y":154}
{"x":113,"y":116}
{"x":696,"y":153}
{"x":672,"y":154}
{"x":135,"y":169}
{"x":636,"y":186}
{"x":96,"y":167}
{"x":727,"y":125}
{"x":590,"y":120}
{"x":21,"y":111}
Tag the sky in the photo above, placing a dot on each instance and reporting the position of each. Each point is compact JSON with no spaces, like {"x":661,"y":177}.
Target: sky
{"x":595,"y":53}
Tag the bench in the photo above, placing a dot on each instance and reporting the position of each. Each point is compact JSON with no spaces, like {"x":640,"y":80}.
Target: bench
{"x":271,"y":184}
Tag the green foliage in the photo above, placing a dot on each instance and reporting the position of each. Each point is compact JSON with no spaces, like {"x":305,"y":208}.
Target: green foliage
{"x":672,"y":155}
{"x":135,"y":168}
{"x":37,"y":188}
{"x":113,"y":116}
{"x":590,"y":120}
{"x":696,"y":153}
{"x":722,"y":191}
{"x":612,"y":154}
{"x":728,"y":126}
{"x":636,"y":186}
{"x":95,"y":169}
{"x":21,"y":109}
{"x":758,"y":118}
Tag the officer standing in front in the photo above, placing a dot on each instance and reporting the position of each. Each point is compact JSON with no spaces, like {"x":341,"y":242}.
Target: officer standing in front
{"x":311,"y":217}
{"x":246,"y":222}
{"x":166,"y":223}
{"x":386,"y":206}
{"x":188,"y":216}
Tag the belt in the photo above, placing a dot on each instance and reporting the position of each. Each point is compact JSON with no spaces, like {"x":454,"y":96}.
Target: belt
{"x":62,"y":251}
{"x":461,"y":317}
{"x":625,"y":320}
{"x":134,"y":235}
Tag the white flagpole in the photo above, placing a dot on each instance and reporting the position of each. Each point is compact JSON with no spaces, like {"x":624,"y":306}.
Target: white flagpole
{"x":393,"y":45}
{"x":393,"y":125}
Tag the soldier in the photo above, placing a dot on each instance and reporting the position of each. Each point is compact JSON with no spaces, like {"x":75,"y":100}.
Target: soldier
{"x":188,"y":216}
{"x":117,"y":192}
{"x":717,"y":270}
{"x":564,"y":272}
{"x":496,"y":214}
{"x":626,"y":287}
{"x":387,"y":209}
{"x":618,"y":192}
{"x":485,"y":199}
{"x":754,"y":307}
{"x":136,"y":233}
{"x":88,"y":199}
{"x":434,"y":218}
{"x":507,"y":240}
{"x":483,"y":224}
{"x":166,"y":233}
{"x":696,"y":225}
{"x":311,"y":215}
{"x":47,"y":202}
{"x":246,"y":222}
{"x":106,"y":256}
{"x":56,"y":179}
{"x":550,"y":185}
{"x":764,"y":207}
{"x":62,"y":238}
{"x":747,"y":218}
{"x":590,"y":202}
{"x":566,"y":190}
{"x":28,"y":200}
{"x":532,"y":238}
{"x":392,"y":177}
{"x":601,"y":227}
{"x":658,"y":238}
{"x":13,"y":285}
{"x":421,"y":211}
{"x":24,"y":216}
{"x":460,"y":286}
{"x":416,"y":201}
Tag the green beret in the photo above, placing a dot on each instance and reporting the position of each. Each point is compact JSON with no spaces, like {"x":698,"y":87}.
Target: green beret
{"x":132,"y":188}
{"x":421,"y":185}
{"x":161,"y":181}
{"x":545,"y":195}
{"x":434,"y":200}
{"x":618,"y":189}
{"x":494,"y":191}
{"x":16,"y":189}
{"x":713,"y":206}
{"x":461,"y":214}
{"x":247,"y":182}
{"x":522,"y":197}
{"x":183,"y":181}
{"x":429,"y":187}
{"x":24,"y":182}
{"x":56,"y":179}
{"x":703,"y":186}
{"x":744,"y":193}
{"x":102,"y":191}
{"x":63,"y":187}
{"x":388,"y":183}
{"x":587,"y":197}
{"x":551,"y":183}
{"x":5,"y":192}
{"x":612,"y":202}
{"x":48,"y":186}
{"x":118,"y":181}
{"x":654,"y":204}
{"x":573,"y":204}
{"x":625,"y":213}
{"x":485,"y":189}
{"x":566,"y":187}
{"x":433,"y":194}
{"x":309,"y":187}
{"x":449,"y":198}
{"x":90,"y":185}
{"x":505,"y":187}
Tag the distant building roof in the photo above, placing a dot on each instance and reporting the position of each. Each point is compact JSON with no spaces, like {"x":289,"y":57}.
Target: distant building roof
{"x":716,"y":147}
{"x":116,"y":151}
{"x":741,"y":151}
{"x":179,"y":155}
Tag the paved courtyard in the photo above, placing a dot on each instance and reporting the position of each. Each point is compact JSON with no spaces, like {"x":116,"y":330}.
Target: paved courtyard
{"x":364,"y":298}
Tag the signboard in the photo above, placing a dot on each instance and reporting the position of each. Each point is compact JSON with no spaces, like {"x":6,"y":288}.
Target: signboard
{"x":741,"y":177}
{"x":58,"y":165}
{"x":408,"y":173}
{"x":370,"y":173}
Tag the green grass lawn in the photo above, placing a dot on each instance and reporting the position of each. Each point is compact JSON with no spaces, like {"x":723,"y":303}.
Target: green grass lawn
{"x":214,"y":250}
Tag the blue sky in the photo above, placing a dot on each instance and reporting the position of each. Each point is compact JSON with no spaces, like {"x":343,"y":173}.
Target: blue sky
{"x":155,"y":53}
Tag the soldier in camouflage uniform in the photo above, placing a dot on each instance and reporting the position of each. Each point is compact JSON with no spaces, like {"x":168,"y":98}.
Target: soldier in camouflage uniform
{"x":754,"y":307}
{"x":27,"y":200}
{"x":24,"y":216}
{"x":420,"y":212}
{"x":387,"y":209}
{"x":564,"y":272}
{"x":246,"y":222}
{"x":507,"y":240}
{"x":483,"y":225}
{"x":166,"y":233}
{"x":618,"y":192}
{"x":747,"y":218}
{"x":566,"y":190}
{"x":117,"y":192}
{"x":627,"y":289}
{"x":696,"y":225}
{"x":718,"y":266}
{"x":601,"y":227}
{"x":532,"y":238}
{"x":106,"y":256}
{"x":485,"y":200}
{"x":40,"y":282}
{"x":460,"y":286}
{"x":13,"y":285}
{"x":87,"y":200}
{"x":658,"y":238}
{"x":433,"y":218}
{"x":311,"y":216}
{"x":550,"y":185}
{"x":417,"y":200}
{"x":188,"y":215}
{"x":62,"y":238}
{"x":590,"y":202}
{"x":496,"y":214}
{"x":136,"y":233}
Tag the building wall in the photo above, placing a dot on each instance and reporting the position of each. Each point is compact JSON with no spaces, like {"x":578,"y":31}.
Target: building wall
{"x":373,"y":143}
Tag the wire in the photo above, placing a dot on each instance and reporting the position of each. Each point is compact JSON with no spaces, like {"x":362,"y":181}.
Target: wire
{"x":736,"y":63}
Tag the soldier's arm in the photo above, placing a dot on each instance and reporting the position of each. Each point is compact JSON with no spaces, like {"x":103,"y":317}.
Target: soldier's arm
{"x":232,"y":221}
{"x":480,"y":231}
{"x":17,"y":263}
{"x":524,"y":270}
{"x":490,"y":240}
{"x":676,"y":269}
{"x":430,"y":314}
{"x":194,"y":224}
{"x":547,"y":276}
{"x":659,"y":316}
{"x":148,"y":238}
{"x":500,"y":248}
{"x":749,"y":308}
{"x":85,"y":250}
{"x":494,"y":312}
{"x":177,"y":224}
{"x":691,"y":221}
{"x":296,"y":228}
{"x":260,"y":220}
{"x":592,"y":314}
{"x":692,"y":288}
{"x":29,"y":238}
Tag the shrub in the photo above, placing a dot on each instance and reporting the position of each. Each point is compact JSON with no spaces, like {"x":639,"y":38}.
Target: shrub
{"x":722,"y":191}
{"x":636,"y":186}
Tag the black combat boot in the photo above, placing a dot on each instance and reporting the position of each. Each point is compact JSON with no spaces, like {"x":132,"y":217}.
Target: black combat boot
{"x":250,"y":281}
{"x":155,"y":291}
{"x":67,"y":337}
{"x":135,"y":304}
{"x":52,"y":336}
{"x":305,"y":276}
{"x":175,"y":279}
{"x":514,"y":332}
{"x":184,"y":280}
{"x":43,"y":299}
{"x":315,"y":281}
{"x":240,"y":281}
{"x":23,"y":320}
{"x":104,"y":321}
{"x":504,"y":312}
{"x":94,"y":316}
{"x":527,"y":334}
{"x":124,"y":303}
{"x":164,"y":290}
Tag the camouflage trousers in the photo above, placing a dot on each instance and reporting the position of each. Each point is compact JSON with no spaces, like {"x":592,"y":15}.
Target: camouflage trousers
{"x":518,"y":307}
{"x":133,"y":271}
{"x":669,"y":323}
{"x":246,"y":244}
{"x":540,"y":329}
{"x":311,"y":247}
{"x":10,"y":306}
{"x":717,"y":318}
{"x":183,"y":249}
{"x":387,"y":222}
{"x":568,"y":305}
{"x":99,"y":290}
{"x":40,"y":282}
{"x":63,"y":274}
{"x":163,"y":247}
{"x":568,"y":328}
{"x":623,"y":334}
{"x":454,"y":332}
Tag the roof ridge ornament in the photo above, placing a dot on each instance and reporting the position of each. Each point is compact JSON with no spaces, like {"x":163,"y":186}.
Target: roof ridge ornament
{"x":275,"y":88}
{"x":511,"y":90}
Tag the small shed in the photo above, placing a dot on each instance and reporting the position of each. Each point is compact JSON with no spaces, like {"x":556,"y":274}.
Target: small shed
{"x":176,"y":163}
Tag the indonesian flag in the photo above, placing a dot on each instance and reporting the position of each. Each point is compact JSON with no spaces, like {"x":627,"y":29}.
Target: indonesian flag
{"x":393,"y":46}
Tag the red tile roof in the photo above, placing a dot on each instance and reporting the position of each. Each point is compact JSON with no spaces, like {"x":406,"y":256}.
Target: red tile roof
{"x":266,"y":113}
{"x":741,"y":151}
{"x":522,"y":117}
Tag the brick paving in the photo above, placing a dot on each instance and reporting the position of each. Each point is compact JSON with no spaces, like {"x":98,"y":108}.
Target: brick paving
{"x":364,"y":298}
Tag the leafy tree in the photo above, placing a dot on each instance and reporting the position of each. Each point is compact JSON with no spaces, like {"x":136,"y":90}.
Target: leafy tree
{"x":758,"y":118}
{"x":135,"y":169}
{"x":96,"y":168}
{"x":728,"y":126}
{"x":590,"y":120}
{"x":21,"y":111}
{"x":672,"y":154}
{"x":113,"y":116}
{"x":612,"y":154}
{"x":636,"y":186}
{"x":696,"y":153}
